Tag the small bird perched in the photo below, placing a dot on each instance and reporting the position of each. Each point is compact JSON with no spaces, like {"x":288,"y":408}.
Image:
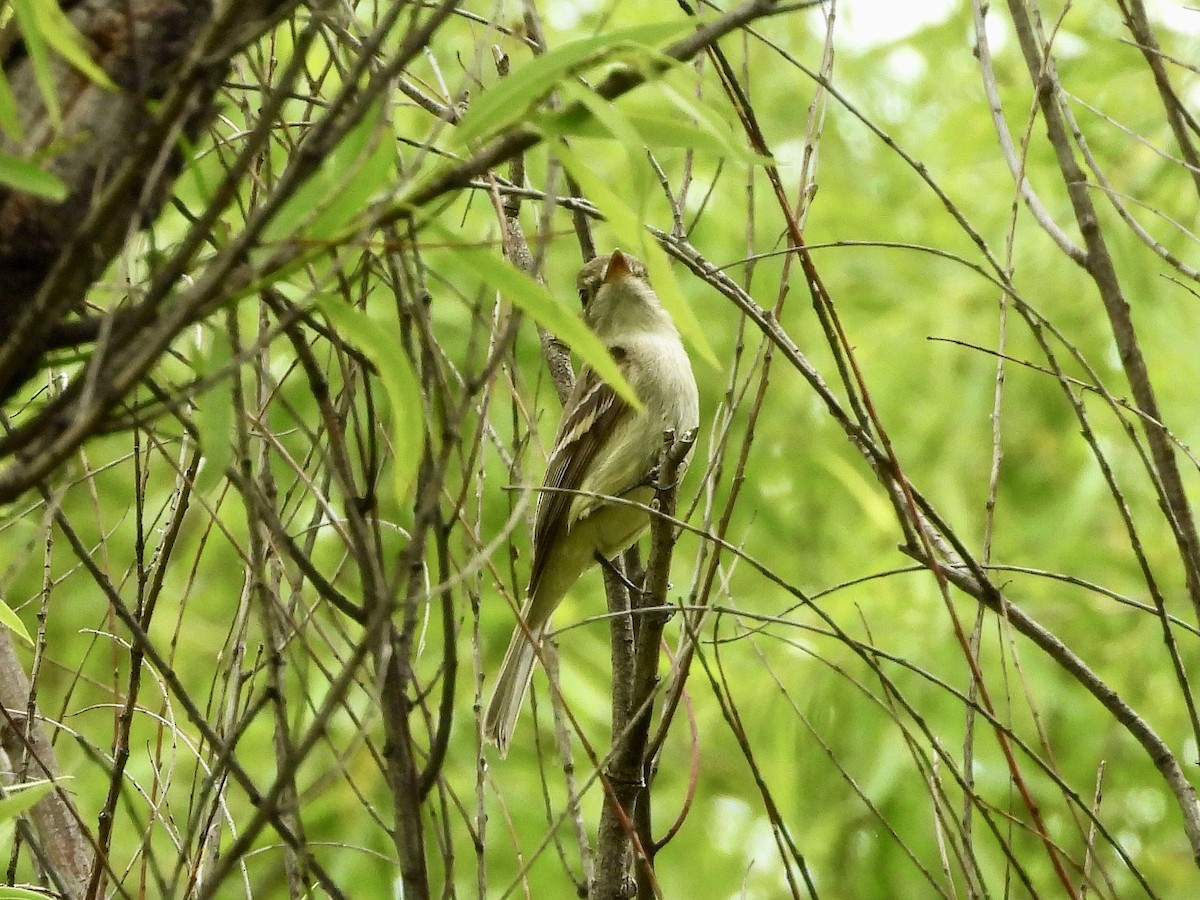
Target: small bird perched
{"x":605,"y":447}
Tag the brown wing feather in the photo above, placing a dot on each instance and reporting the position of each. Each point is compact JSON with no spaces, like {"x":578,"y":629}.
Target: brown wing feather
{"x":592,"y":413}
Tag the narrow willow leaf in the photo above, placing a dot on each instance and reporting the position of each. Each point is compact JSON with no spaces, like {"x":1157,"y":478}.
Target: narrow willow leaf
{"x":192,"y":178}
{"x":25,"y":176}
{"x":9,"y":892}
{"x":9,"y":120}
{"x":637,"y":169}
{"x":64,"y":38}
{"x":13,"y":623}
{"x":370,"y":177}
{"x":526,"y":294}
{"x":627,"y":227}
{"x":43,"y":28}
{"x":29,"y":23}
{"x":636,"y":238}
{"x":513,"y":97}
{"x":860,"y":488}
{"x":22,"y":797}
{"x":655,"y":130}
{"x":381,"y":345}
{"x":214,"y":417}
{"x":358,"y":167}
{"x":731,"y":140}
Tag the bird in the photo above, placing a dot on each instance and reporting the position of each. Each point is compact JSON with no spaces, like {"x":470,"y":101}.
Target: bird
{"x":604,"y":447}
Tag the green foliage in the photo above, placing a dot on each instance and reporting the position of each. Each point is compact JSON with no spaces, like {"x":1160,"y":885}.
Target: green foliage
{"x":8,"y":109}
{"x":546,"y":310}
{"x":44,"y":29}
{"x":384,"y":350}
{"x":22,"y":797}
{"x":360,"y":167}
{"x":13,"y":623}
{"x":25,"y":176}
{"x":514,"y":98}
{"x":19,"y":893}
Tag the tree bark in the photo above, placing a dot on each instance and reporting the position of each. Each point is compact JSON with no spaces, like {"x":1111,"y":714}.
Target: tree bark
{"x":62,"y":850}
{"x":116,"y":151}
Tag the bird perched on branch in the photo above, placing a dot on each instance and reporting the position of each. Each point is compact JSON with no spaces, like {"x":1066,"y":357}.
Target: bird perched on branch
{"x":604,"y":447}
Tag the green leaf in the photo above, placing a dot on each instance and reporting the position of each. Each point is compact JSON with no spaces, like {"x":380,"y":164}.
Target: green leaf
{"x":654,"y":130}
{"x":9,"y":120}
{"x":43,"y":28}
{"x":376,"y":172}
{"x":877,"y":511}
{"x":13,"y":623}
{"x":513,"y":97}
{"x":614,"y":121}
{"x":361,"y":165}
{"x":22,"y":797}
{"x":9,"y":892}
{"x":526,"y":294}
{"x":26,"y":12}
{"x":627,"y":227}
{"x":666,"y":285}
{"x":25,"y":176}
{"x":627,"y":222}
{"x":731,"y":140}
{"x":381,"y":345}
{"x":65,"y":39}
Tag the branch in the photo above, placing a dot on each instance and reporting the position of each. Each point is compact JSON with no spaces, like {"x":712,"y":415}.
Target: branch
{"x":64,"y":852}
{"x":621,"y":81}
{"x":650,"y":624}
{"x":120,"y":159}
{"x":1099,"y":265}
{"x":635,"y":684}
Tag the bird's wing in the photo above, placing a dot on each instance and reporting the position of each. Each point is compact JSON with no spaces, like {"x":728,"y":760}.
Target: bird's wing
{"x":592,"y":415}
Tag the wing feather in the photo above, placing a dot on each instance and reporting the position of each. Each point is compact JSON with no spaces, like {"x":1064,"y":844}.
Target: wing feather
{"x":592,"y":414}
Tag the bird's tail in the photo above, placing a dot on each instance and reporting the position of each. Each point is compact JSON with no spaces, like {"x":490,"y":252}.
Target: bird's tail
{"x":511,"y":684}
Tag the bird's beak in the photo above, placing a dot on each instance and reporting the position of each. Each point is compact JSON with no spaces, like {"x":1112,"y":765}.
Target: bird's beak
{"x":618,"y":267}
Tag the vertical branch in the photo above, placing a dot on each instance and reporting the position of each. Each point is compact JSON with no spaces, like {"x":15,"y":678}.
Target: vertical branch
{"x":1099,"y":265}
{"x":64,"y":852}
{"x":653,"y":617}
{"x":124,"y":720}
{"x":1180,"y":119}
{"x":261,"y":571}
{"x":150,"y":593}
{"x":620,"y":779}
{"x":389,"y":645}
{"x":394,"y":651}
{"x":1023,"y":189}
{"x":625,"y":823}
